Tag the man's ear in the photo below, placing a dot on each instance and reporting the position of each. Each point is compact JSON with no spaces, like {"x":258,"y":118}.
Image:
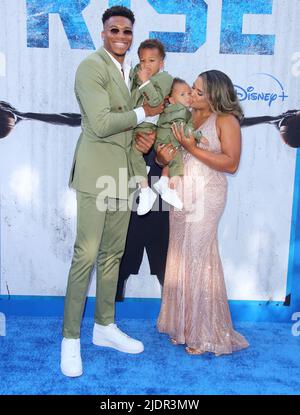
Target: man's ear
{"x":102,"y":34}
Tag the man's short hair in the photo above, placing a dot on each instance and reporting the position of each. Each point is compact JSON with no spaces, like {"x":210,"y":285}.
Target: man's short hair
{"x":118,"y":11}
{"x":153,"y":44}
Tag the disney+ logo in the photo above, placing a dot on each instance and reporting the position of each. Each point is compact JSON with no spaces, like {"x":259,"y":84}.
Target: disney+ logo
{"x":251,"y":93}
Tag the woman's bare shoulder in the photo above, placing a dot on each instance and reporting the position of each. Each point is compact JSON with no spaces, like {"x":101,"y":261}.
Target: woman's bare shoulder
{"x":226,"y":120}
{"x":227,"y":123}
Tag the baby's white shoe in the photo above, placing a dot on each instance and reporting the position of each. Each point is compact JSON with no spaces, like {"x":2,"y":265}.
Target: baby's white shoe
{"x":147,"y":198}
{"x":170,"y":196}
{"x":161,"y":185}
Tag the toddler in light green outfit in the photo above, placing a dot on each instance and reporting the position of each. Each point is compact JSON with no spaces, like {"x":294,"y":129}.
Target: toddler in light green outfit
{"x":152,"y":84}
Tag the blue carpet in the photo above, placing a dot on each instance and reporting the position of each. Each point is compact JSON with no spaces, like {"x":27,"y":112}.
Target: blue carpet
{"x":30,"y":353}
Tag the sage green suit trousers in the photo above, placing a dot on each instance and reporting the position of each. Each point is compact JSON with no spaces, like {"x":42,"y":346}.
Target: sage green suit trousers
{"x":101,"y":237}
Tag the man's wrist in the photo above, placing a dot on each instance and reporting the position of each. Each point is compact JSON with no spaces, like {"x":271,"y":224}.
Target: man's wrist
{"x":159,"y":163}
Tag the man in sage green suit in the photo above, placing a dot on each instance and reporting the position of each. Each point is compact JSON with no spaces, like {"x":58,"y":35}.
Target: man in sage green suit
{"x":99,"y":175}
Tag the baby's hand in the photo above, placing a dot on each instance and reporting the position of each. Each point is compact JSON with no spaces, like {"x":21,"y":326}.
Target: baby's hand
{"x":144,"y":75}
{"x":203,"y":140}
{"x":198,"y":136}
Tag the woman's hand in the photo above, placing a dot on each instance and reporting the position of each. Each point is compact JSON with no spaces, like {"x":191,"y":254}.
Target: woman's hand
{"x":165,"y":153}
{"x":188,"y":143}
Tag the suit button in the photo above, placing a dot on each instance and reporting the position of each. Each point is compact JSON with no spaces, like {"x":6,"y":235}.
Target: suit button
{"x":120,"y":108}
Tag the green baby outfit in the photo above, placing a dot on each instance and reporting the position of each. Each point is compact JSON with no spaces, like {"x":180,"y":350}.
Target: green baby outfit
{"x":175,"y":113}
{"x":154,"y":92}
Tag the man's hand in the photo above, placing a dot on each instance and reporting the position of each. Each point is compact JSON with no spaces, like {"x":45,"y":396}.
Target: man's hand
{"x":144,"y":75}
{"x":144,"y":141}
{"x":151,"y":111}
{"x":165,"y":153}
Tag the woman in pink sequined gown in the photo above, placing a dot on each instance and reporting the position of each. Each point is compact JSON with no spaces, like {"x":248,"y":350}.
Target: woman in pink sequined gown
{"x":194,"y":308}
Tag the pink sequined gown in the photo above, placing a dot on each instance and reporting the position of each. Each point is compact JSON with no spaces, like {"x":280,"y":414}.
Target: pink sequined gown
{"x":194,"y":308}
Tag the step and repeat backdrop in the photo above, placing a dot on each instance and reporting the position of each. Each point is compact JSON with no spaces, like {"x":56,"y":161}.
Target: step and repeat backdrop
{"x":42,"y":42}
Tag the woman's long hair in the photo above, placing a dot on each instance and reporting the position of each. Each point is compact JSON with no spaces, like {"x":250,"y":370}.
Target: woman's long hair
{"x":221,"y":94}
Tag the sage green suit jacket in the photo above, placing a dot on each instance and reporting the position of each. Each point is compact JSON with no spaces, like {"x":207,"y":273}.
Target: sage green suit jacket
{"x":107,"y":126}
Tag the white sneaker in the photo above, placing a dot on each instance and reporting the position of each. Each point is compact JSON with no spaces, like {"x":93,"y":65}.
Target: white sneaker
{"x":71,"y":364}
{"x":161,"y":185}
{"x":112,"y":336}
{"x":170,"y":196}
{"x":147,"y":199}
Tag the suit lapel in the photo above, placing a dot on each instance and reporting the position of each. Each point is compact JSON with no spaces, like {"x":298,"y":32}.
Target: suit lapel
{"x":115,"y":73}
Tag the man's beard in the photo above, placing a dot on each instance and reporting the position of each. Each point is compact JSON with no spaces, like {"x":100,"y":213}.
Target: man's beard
{"x":120,"y":55}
